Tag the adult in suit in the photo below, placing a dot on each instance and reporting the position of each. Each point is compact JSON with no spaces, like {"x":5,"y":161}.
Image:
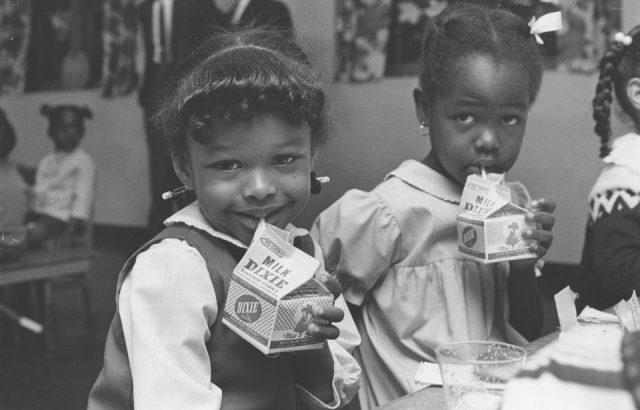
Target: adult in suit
{"x":171,"y":31}
{"x":184,"y":25}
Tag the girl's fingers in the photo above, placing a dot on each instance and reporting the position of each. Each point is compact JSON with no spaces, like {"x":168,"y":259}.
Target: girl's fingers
{"x":540,"y":250}
{"x":543,"y":205}
{"x":330,"y":283}
{"x":543,"y":240}
{"x":329,"y":314}
{"x":323,"y":331}
{"x":546,"y":220}
{"x":324,"y":318}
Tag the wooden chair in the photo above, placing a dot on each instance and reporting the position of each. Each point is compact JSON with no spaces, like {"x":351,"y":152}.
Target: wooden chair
{"x":61,"y":262}
{"x":82,"y":254}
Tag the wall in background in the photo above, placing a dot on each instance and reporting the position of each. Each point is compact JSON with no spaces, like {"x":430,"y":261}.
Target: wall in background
{"x":375,"y":129}
{"x":114,"y":138}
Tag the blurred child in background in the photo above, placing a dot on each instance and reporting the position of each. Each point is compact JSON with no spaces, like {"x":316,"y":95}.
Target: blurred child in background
{"x":13,"y":189}
{"x":63,"y":192}
{"x":13,"y":195}
{"x":610,"y":267}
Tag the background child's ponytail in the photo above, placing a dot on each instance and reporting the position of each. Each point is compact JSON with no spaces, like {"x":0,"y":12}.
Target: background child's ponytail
{"x":618,"y":65}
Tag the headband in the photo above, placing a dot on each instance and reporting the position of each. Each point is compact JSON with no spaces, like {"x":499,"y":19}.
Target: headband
{"x":544,"y":24}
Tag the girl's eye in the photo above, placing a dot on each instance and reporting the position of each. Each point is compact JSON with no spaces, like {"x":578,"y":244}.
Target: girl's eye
{"x":511,"y":120}
{"x":228,"y":165}
{"x":283,"y":160}
{"x":465,"y":118}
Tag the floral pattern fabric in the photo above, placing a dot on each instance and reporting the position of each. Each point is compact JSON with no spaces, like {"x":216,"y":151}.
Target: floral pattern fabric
{"x":119,"y":72}
{"x":14,"y":36}
{"x":362,"y":33}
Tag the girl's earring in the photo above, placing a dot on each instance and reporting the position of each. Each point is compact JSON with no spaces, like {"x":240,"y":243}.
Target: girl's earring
{"x":424,"y":130}
{"x":316,"y":183}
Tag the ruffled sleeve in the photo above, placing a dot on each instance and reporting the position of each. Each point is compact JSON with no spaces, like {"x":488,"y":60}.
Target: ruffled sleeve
{"x":360,"y":239}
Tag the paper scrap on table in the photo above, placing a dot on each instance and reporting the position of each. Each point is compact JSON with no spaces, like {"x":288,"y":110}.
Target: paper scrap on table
{"x":623,"y":311}
{"x":629,"y":312}
{"x":428,"y":374}
{"x":566,"y":307}
{"x":635,"y":309}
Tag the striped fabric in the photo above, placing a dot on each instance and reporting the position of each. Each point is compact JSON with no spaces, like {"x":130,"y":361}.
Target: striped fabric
{"x":582,"y":370}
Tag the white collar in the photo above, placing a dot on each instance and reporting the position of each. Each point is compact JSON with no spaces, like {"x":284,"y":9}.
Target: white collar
{"x":625,"y":152}
{"x":422,"y":177}
{"x":191,"y":215}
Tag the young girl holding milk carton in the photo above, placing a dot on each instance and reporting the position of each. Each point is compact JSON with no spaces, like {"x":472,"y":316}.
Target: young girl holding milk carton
{"x":245,"y":122}
{"x":610,"y":267}
{"x":395,"y":248}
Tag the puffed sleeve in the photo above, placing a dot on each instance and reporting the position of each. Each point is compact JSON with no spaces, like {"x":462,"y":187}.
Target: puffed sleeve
{"x":360,"y":239}
{"x":167,"y":304}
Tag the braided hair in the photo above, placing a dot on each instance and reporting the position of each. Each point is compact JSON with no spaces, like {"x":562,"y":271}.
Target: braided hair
{"x":618,"y":65}
{"x":477,"y":28}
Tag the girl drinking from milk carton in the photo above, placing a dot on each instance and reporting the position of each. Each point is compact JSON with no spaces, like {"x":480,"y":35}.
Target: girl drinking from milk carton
{"x":244,"y":122}
{"x":395,"y":248}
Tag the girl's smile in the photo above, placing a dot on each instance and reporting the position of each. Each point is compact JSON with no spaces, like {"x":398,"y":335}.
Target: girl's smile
{"x":248,"y":171}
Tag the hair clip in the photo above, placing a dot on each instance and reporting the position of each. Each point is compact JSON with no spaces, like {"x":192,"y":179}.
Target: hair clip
{"x":171,"y":194}
{"x":622,"y":38}
{"x":316,"y":183}
{"x":544,"y":24}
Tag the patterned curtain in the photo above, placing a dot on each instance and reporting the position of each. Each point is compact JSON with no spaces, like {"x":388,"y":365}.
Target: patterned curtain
{"x":14,"y":36}
{"x":362,"y":33}
{"x":120,"y":30}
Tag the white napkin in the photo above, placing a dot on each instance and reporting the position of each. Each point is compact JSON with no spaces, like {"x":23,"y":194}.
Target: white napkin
{"x":428,"y":374}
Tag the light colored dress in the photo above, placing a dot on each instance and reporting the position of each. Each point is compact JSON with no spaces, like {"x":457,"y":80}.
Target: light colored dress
{"x":13,"y":196}
{"x":65,"y":185}
{"x":395,"y":251}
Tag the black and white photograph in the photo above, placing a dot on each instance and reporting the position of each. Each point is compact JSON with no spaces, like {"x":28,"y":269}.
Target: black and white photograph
{"x":319,"y":204}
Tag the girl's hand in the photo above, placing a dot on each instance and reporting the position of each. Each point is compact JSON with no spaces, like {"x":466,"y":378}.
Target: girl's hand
{"x":326,"y":316}
{"x":540,"y":212}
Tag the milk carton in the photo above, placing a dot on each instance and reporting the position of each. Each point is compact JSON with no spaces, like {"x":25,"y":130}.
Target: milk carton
{"x":272,"y":292}
{"x":489,"y":225}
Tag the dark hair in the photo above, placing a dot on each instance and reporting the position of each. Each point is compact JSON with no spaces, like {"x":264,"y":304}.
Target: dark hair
{"x":56,"y":112}
{"x":618,"y":65}
{"x":464,"y":29}
{"x":237,"y":75}
{"x":7,"y":136}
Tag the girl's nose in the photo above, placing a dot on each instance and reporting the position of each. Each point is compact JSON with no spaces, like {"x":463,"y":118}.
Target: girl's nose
{"x":487,"y":140}
{"x":259,"y":185}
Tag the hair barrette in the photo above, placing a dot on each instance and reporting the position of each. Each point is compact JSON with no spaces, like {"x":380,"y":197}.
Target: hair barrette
{"x":544,"y":24}
{"x":170,"y":194}
{"x":622,"y":38}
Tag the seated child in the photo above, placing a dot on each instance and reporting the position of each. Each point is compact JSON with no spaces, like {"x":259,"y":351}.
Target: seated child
{"x":245,"y":123}
{"x":63,"y":193}
{"x":13,"y":194}
{"x":13,"y":189}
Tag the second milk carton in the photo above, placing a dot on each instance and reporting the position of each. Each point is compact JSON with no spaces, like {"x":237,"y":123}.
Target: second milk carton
{"x":489,"y":224}
{"x":272,"y":293}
